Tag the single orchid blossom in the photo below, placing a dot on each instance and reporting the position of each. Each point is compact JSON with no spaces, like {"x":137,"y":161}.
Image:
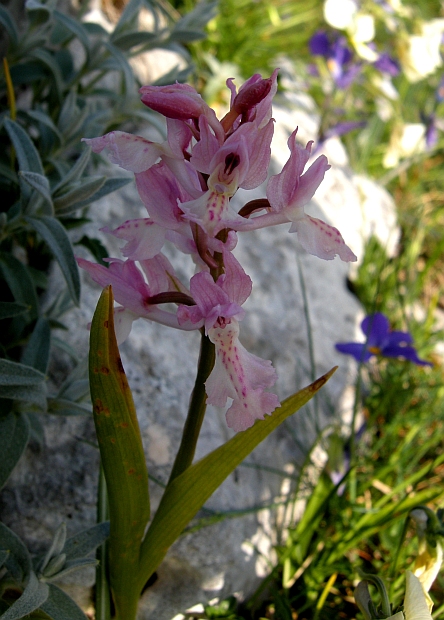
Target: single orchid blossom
{"x":381,"y":341}
{"x":242,"y":161}
{"x":289,"y":191}
{"x":133,"y":288}
{"x":237,"y":374}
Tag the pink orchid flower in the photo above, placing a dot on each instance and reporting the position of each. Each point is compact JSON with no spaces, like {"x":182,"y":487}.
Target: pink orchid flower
{"x":241,"y":161}
{"x":237,"y":374}
{"x":289,"y":191}
{"x":133,"y":288}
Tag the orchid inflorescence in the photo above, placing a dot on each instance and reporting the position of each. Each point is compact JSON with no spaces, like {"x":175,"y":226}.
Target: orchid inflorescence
{"x":186,"y":184}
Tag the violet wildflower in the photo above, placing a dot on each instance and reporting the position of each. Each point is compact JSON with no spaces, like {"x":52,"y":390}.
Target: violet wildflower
{"x":387,"y":64}
{"x":339,"y":58}
{"x":380,"y":340}
{"x":186,"y":184}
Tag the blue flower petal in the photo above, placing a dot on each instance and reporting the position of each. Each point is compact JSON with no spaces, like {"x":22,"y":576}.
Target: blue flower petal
{"x":356,"y":349}
{"x":407,"y":353}
{"x":376,"y":328}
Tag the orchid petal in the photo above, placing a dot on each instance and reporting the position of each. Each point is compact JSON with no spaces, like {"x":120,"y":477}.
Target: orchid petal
{"x":126,"y":150}
{"x":160,"y":191}
{"x":241,"y":376}
{"x":123,"y":323}
{"x":321,"y":239}
{"x":144,"y":238}
{"x":205,"y":149}
{"x":235,"y":282}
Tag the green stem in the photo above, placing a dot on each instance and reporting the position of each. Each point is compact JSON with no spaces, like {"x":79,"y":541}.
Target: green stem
{"x":196,"y":410}
{"x":352,"y":476}
{"x":103,"y":593}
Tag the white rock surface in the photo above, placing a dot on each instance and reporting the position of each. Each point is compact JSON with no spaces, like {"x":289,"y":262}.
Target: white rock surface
{"x":58,"y":481}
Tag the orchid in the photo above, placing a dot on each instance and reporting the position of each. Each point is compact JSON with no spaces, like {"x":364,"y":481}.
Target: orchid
{"x":380,"y":340}
{"x":186,"y":184}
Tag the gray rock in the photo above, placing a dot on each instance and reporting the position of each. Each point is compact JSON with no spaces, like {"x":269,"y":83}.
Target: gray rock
{"x":58,"y":481}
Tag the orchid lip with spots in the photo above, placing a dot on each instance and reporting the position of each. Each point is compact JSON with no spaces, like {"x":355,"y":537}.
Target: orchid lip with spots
{"x":186,"y":184}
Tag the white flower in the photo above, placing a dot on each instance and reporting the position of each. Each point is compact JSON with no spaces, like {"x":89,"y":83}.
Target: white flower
{"x":406,"y":140}
{"x":420,"y":54}
{"x":415,"y":602}
{"x":362,"y":31}
{"x":340,"y":13}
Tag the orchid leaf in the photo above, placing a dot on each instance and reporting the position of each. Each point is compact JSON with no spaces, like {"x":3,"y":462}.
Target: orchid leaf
{"x":187,"y":493}
{"x":122,"y":456}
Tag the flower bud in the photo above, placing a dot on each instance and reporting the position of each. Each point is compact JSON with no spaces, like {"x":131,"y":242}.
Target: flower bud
{"x":251,"y":95}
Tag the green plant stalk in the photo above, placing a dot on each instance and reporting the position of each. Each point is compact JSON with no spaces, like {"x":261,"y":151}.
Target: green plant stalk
{"x":352,"y":475}
{"x":122,"y":456}
{"x":196,"y":410}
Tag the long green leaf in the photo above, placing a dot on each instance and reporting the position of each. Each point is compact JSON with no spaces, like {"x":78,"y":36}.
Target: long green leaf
{"x":53,"y":233}
{"x":188,"y":492}
{"x":14,"y":435}
{"x":122,"y":455}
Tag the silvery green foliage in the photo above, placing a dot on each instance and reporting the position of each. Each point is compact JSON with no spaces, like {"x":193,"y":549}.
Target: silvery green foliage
{"x":57,"y":64}
{"x":27,"y":584}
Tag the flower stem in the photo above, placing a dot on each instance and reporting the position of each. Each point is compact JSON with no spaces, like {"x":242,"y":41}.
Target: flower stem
{"x":196,"y":410}
{"x":352,"y":476}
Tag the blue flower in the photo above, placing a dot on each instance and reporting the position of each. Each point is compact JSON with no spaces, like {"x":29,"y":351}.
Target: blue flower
{"x":339,"y":58}
{"x":380,"y":340}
